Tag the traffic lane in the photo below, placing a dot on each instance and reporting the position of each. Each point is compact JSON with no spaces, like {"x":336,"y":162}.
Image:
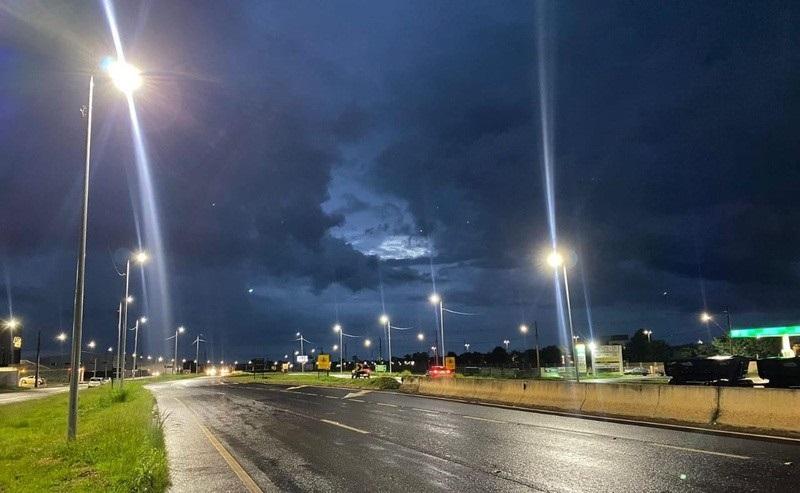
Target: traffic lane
{"x":301,"y":452}
{"x":30,"y":394}
{"x":555,"y":457}
{"x":752,"y":446}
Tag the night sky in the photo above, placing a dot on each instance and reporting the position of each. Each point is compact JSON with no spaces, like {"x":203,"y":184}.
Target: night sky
{"x":338,"y":158}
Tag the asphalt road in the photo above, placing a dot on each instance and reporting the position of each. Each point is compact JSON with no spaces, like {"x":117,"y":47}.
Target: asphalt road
{"x":328,"y":439}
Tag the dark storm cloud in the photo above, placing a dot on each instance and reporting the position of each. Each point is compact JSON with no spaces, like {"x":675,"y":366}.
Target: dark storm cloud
{"x":675,"y":149}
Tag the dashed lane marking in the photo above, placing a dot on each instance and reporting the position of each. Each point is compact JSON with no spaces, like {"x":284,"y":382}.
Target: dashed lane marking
{"x":340,"y":425}
{"x":699,"y":451}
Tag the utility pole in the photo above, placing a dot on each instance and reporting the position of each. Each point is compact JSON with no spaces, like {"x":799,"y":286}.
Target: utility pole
{"x":119,"y":343}
{"x":197,"y":341}
{"x":38,"y":349}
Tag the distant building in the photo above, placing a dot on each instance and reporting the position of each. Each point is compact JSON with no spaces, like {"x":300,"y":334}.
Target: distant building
{"x":617,"y":340}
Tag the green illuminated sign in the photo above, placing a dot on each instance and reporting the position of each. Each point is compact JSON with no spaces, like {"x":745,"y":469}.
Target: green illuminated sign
{"x":793,"y":330}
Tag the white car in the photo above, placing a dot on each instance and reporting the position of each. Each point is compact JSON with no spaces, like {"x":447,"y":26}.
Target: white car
{"x":96,"y":381}
{"x":29,"y":381}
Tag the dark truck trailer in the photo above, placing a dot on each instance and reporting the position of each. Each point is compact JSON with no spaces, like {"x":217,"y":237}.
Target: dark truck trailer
{"x":714,"y":370}
{"x":781,"y":372}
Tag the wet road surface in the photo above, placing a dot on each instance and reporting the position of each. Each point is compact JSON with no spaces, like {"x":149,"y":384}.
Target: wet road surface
{"x":328,"y":439}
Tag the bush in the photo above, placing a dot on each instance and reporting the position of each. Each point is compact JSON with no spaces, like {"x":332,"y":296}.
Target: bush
{"x":384,"y":383}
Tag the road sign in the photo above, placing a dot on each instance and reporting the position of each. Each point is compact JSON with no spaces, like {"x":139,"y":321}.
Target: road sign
{"x":450,"y":362}
{"x":607,"y":358}
{"x":324,"y":362}
{"x":580,"y":352}
{"x":380,"y":368}
{"x":302,"y":358}
{"x":17,"y":342}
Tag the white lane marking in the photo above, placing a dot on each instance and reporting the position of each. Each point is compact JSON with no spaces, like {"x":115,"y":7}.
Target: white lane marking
{"x":387,"y":405}
{"x":298,"y":387}
{"x":355,"y":400}
{"x":478,"y":418}
{"x":431,"y":411}
{"x":330,"y":396}
{"x":357,"y":394}
{"x":340,"y":425}
{"x":709,"y":452}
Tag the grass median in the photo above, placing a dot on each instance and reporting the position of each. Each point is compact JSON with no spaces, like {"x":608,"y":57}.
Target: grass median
{"x":319,"y":380}
{"x":119,"y":447}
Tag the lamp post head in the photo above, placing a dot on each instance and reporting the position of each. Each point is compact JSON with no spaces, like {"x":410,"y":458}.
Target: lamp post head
{"x":421,"y":336}
{"x":555,"y":259}
{"x":335,"y":347}
{"x":384,"y":319}
{"x":367,"y":343}
{"x":12,"y":323}
{"x":140,"y":257}
{"x":523,"y":328}
{"x":705,"y":317}
{"x":62,"y":337}
{"x":435,"y":299}
{"x":125,"y":76}
{"x":129,"y":299}
{"x":337,"y":328}
{"x":91,"y":344}
{"x":143,"y":320}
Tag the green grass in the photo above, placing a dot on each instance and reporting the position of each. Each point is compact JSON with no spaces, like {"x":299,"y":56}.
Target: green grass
{"x":377,"y":383}
{"x":119,"y":447}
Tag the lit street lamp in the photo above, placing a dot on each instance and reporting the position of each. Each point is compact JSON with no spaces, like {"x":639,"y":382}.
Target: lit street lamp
{"x":648,"y":333}
{"x":506,"y":342}
{"x":140,"y":320}
{"x":338,"y":329}
{"x":466,"y":346}
{"x":140,"y":258}
{"x":556,"y":260}
{"x":435,"y":299}
{"x":179,"y":330}
{"x":385,"y":321}
{"x":127,"y":78}
{"x":11,"y":324}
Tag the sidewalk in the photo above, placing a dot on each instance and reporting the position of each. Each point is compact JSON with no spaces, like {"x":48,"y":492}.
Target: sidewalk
{"x":26,"y":395}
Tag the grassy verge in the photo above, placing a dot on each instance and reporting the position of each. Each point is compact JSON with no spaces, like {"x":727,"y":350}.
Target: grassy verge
{"x":377,"y":383}
{"x":120,"y":444}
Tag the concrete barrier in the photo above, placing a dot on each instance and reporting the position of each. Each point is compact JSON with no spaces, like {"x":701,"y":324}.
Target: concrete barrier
{"x":621,"y":400}
{"x":9,"y":377}
{"x":765,"y":409}
{"x":775,"y":410}
{"x":687,"y":403}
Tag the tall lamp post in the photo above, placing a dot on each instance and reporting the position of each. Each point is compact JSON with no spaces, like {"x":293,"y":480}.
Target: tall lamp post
{"x":435,"y":299}
{"x":179,"y":330}
{"x":140,"y":258}
{"x":555,"y":260}
{"x":196,"y":343}
{"x":142,"y":320}
{"x":648,"y":333}
{"x":127,"y":78}
{"x":385,"y":321}
{"x":11,"y":324}
{"x":338,"y":329}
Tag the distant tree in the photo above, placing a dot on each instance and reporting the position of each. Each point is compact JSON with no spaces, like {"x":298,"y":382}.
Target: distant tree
{"x":550,"y":356}
{"x":692,"y":351}
{"x":749,"y":347}
{"x":498,"y":357}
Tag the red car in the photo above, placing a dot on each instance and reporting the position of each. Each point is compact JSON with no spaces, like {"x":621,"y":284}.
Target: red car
{"x":440,"y":372}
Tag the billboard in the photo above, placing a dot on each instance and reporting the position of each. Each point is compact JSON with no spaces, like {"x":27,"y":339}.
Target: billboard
{"x":580,"y":353}
{"x":607,"y":358}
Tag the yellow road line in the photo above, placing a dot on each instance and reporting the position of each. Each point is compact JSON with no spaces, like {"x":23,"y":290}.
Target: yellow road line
{"x":245,"y":478}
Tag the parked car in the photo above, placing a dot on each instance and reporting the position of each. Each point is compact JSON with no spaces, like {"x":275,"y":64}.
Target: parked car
{"x":439,"y":372}
{"x":781,"y":372}
{"x":96,"y":381}
{"x":713,"y":370}
{"x":639,"y":370}
{"x":29,"y":381}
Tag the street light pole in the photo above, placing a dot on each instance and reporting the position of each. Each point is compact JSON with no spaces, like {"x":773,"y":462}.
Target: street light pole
{"x":536,"y":335}
{"x":387,"y":323}
{"x":125,"y":301}
{"x":338,"y":328}
{"x":119,"y":343}
{"x":571,"y":330}
{"x":136,"y":342}
{"x":77,"y":321}
{"x":179,"y":330}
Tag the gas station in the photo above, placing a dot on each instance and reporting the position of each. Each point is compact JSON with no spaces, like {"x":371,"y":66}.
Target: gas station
{"x":783,"y":332}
